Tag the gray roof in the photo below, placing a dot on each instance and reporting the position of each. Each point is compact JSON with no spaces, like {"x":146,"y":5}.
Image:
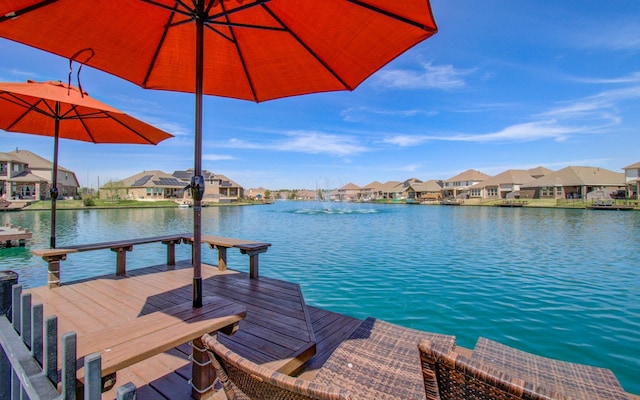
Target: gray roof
{"x":510,"y":176}
{"x":153,"y":179}
{"x":430,"y":186}
{"x":538,"y":172}
{"x":350,"y":186}
{"x":469,"y":175}
{"x":33,"y":160}
{"x":27,"y":176}
{"x":632,"y":166}
{"x":578,"y":176}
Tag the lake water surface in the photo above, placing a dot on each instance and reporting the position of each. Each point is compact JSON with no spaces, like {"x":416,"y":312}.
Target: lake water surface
{"x":559,"y":283}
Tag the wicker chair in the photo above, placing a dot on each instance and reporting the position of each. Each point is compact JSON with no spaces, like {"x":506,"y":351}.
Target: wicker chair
{"x":242,"y":379}
{"x":379,"y":360}
{"x":499,"y":372}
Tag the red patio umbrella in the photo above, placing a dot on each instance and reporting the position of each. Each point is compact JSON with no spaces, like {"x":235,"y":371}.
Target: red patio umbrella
{"x":247,"y":49}
{"x":63,"y":111}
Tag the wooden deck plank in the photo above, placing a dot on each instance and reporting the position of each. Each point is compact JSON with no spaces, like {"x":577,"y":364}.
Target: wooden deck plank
{"x":276,"y":328}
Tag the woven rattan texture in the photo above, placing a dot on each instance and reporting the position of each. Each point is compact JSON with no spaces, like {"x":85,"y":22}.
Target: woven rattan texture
{"x":242,"y":379}
{"x":380,"y":361}
{"x":572,"y":380}
{"x":460,"y":378}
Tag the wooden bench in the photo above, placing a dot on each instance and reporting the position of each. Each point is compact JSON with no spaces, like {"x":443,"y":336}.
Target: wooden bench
{"x":138,"y":339}
{"x":120,"y":247}
{"x":251,"y":248}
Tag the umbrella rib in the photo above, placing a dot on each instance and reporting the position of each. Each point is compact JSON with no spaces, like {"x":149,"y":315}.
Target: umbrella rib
{"x":16,"y":14}
{"x":394,"y":16}
{"x":239,"y":25}
{"x":244,"y":64}
{"x":29,"y":108}
{"x":114,"y":117}
{"x":226,"y":13}
{"x":84,"y":125}
{"x":303,"y":44}
{"x":160,"y":42}
{"x":174,"y":9}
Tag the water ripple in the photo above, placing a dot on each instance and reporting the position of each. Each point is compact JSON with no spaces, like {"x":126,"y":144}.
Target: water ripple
{"x":559,"y":283}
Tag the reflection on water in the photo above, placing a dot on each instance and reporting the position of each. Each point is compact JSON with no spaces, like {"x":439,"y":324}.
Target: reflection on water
{"x":336,"y":208}
{"x":560,"y":283}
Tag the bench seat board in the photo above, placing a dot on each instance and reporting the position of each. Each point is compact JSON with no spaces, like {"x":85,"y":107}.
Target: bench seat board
{"x":126,"y":344}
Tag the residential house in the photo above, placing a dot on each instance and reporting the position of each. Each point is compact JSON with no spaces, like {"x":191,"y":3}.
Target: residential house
{"x":459,"y":185}
{"x":348,"y":192}
{"x":380,"y":191}
{"x":372,"y":191}
{"x":256,"y":193}
{"x":632,"y":178}
{"x":146,"y":185}
{"x":573,"y":182}
{"x":306,"y":194}
{"x":506,"y":184}
{"x":430,"y":190}
{"x":26,"y":175}
{"x":217,"y":188}
{"x":406,"y":189}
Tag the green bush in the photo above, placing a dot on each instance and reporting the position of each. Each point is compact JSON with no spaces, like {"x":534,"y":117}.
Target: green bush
{"x":88,"y":200}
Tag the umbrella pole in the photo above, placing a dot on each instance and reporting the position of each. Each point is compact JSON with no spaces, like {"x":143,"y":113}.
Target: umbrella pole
{"x":54,"y":178}
{"x":197,"y":201}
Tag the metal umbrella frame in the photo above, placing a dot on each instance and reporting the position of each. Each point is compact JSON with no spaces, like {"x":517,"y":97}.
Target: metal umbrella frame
{"x":247,"y":49}
{"x":64,"y":111}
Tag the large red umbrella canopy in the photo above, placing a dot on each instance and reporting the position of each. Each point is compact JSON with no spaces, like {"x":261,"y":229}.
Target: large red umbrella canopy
{"x":254,"y":49}
{"x":246,"y":49}
{"x":63,"y":111}
{"x":36,"y":107}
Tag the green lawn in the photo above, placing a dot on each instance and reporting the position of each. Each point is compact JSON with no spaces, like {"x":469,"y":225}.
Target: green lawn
{"x":98,"y":203}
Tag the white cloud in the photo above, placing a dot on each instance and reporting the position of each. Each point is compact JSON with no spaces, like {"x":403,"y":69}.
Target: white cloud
{"x":310,"y":142}
{"x":436,"y":77}
{"x":320,"y":143}
{"x":406,"y":140}
{"x":217,"y":157}
{"x":357,"y":114}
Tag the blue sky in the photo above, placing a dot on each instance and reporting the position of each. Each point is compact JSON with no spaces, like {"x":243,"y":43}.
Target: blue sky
{"x":503,"y":84}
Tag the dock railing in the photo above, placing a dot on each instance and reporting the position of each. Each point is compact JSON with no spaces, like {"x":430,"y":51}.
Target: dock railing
{"x":29,"y":356}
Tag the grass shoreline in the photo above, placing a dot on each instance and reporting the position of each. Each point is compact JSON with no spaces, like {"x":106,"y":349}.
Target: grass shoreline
{"x":101,"y":204}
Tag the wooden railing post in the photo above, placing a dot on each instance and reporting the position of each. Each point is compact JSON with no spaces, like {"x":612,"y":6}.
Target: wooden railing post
{"x":121,"y":263}
{"x":29,"y":357}
{"x":7,"y":280}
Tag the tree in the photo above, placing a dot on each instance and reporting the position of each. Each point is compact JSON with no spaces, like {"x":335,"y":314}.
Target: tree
{"x":113,"y":188}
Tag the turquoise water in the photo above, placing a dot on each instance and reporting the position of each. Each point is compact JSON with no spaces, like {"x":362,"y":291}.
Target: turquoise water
{"x":559,"y":283}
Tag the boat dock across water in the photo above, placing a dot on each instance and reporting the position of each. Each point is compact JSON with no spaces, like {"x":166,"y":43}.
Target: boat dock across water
{"x":10,"y":235}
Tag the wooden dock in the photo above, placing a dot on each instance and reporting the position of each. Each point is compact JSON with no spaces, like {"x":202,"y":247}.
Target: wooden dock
{"x":10,"y":234}
{"x":279,"y":331}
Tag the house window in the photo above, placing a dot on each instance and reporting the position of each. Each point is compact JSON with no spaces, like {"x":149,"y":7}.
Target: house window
{"x":492,"y":192}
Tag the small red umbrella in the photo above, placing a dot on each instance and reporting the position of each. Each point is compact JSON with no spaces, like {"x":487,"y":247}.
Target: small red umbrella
{"x":247,"y":49}
{"x":63,"y":111}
